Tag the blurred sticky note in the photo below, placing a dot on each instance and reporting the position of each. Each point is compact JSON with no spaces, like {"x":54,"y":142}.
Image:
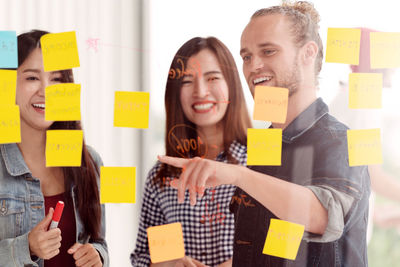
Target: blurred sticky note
{"x":64,"y":148}
{"x":365,"y":90}
{"x":343,"y":45}
{"x":166,"y":242}
{"x":117,"y":184}
{"x":60,"y":51}
{"x":131,"y":109}
{"x":8,"y":49}
{"x":264,"y":146}
{"x":10,"y":124}
{"x":364,"y":147}
{"x":270,"y":104}
{"x":8,"y":85}
{"x":283,"y":239}
{"x":63,"y":102}
{"x":385,"y":50}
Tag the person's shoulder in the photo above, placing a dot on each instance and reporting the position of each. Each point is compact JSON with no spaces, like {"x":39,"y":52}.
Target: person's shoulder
{"x":331,"y":127}
{"x":95,"y":155}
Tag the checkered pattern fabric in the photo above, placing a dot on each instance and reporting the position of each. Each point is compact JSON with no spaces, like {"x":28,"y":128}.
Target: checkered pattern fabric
{"x":208,"y":227}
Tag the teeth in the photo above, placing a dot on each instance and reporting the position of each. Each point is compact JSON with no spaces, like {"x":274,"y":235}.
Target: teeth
{"x":39,"y":105}
{"x":203,"y":106}
{"x":262,"y":79}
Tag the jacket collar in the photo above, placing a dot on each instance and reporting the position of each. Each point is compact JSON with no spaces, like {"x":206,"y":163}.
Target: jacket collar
{"x":13,"y":159}
{"x":305,"y":121}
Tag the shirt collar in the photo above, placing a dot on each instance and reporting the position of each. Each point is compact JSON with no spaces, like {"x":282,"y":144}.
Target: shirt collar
{"x":305,"y":120}
{"x":15,"y":163}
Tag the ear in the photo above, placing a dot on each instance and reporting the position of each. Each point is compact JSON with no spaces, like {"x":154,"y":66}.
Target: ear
{"x":309,"y":53}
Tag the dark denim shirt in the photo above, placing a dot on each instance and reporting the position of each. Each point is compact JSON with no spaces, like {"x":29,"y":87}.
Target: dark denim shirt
{"x":22,"y":208}
{"x":314,"y":153}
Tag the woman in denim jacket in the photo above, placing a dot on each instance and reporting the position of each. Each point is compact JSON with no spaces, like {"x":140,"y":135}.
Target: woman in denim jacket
{"x":29,"y":190}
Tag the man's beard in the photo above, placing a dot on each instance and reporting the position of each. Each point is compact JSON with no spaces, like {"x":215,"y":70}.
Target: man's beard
{"x":292,"y":80}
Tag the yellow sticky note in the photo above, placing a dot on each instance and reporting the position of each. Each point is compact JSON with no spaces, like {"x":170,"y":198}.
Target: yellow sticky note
{"x":264,"y":146}
{"x":63,"y":102}
{"x":283,"y":239}
{"x":385,"y":50}
{"x":365,"y":90}
{"x":165,"y":242}
{"x":60,"y":51}
{"x":64,"y":148}
{"x":270,"y":104}
{"x":364,"y":147}
{"x":8,"y":85}
{"x":117,"y":185}
{"x":343,"y":45}
{"x":10,"y":125}
{"x":131,"y":109}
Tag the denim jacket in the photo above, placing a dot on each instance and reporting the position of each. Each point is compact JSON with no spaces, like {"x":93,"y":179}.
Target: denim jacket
{"x":314,"y":153}
{"x":22,"y":208}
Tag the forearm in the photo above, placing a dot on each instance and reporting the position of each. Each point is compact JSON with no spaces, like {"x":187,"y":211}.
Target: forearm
{"x":288,"y":201}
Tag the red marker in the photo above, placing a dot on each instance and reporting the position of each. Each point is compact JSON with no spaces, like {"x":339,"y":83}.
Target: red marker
{"x":57,"y":215}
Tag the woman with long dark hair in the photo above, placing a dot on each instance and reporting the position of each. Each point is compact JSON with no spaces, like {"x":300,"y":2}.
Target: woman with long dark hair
{"x":29,"y":190}
{"x":206,"y":117}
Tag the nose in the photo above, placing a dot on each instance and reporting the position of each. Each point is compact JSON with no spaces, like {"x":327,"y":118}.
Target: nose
{"x":44,"y":83}
{"x":256,"y":64}
{"x":201,"y":89}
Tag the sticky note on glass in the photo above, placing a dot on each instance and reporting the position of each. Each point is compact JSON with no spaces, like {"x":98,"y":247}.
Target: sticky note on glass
{"x":8,"y":85}
{"x":385,"y":50}
{"x":264,"y":147}
{"x":283,"y":239}
{"x":343,"y":45}
{"x":270,"y":104}
{"x":63,"y":102}
{"x":64,"y":148}
{"x":165,"y":242}
{"x":364,"y":147}
{"x":8,"y":49}
{"x":10,"y":124}
{"x":365,"y":90}
{"x":60,"y":51}
{"x":131,"y":109}
{"x":117,"y":184}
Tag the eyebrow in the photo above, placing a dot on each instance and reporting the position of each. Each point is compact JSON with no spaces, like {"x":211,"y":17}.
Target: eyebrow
{"x":212,"y":72}
{"x":32,"y":70}
{"x":244,"y":50}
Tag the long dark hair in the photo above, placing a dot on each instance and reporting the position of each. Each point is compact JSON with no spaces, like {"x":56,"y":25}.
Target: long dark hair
{"x":235,"y":121}
{"x":84,"y":177}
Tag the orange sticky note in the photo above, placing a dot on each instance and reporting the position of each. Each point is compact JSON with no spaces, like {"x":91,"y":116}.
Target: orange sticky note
{"x":270,"y":104}
{"x":343,"y":45}
{"x":385,"y":50}
{"x":264,"y":146}
{"x":60,"y":51}
{"x":131,"y":109}
{"x":10,"y":125}
{"x":8,"y":85}
{"x":117,"y":184}
{"x":283,"y":239}
{"x":166,"y":242}
{"x":365,"y":90}
{"x":364,"y":147}
{"x":64,"y":148}
{"x":63,"y":102}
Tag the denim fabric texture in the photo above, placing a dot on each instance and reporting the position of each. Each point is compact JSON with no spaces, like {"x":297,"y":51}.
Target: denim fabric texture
{"x":22,"y":208}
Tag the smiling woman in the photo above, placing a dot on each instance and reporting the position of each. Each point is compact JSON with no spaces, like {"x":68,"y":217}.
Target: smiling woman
{"x":201,"y":122}
{"x":29,"y":189}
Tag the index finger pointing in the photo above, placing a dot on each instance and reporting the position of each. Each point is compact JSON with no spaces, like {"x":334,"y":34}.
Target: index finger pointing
{"x":176,"y":162}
